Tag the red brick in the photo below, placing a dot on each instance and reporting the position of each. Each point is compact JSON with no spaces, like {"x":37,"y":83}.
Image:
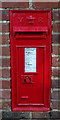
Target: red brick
{"x":56,"y":105}
{"x":5,"y":39}
{"x":5,"y":27}
{"x":56,"y":95}
{"x":0,"y":4}
{"x":45,"y":4}
{"x":5,"y":105}
{"x":0,"y":73}
{"x":5,"y":51}
{"x":56,"y":61}
{"x":0,"y":84}
{"x":56,"y":38}
{"x":5,"y":73}
{"x":0,"y":39}
{"x":0,"y":51}
{"x":40,"y":115}
{"x":0,"y":105}
{"x":0,"y":15}
{"x":5,"y":15}
{"x":24,"y":4}
{"x":4,"y":84}
{"x":5,"y":62}
{"x":56,"y":27}
{"x":0,"y":62}
{"x":56,"y":50}
{"x":56,"y":72}
{"x":56,"y":15}
{"x":55,"y":84}
{"x":5,"y":94}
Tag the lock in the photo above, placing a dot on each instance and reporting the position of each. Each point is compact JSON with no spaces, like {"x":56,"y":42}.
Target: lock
{"x":28,"y":79}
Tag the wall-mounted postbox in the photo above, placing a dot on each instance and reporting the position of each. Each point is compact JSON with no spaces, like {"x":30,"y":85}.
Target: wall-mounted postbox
{"x":30,"y":33}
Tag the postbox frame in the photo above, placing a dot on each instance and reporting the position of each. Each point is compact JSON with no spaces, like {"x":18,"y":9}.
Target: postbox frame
{"x":42,"y":107}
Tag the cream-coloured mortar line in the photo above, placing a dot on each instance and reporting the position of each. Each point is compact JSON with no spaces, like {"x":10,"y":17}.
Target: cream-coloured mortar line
{"x":4,"y":45}
{"x":10,"y":68}
{"x":55,"y":44}
{"x":8,"y":21}
{"x":52,"y":55}
{"x":4,"y":33}
{"x":5,"y":100}
{"x":52,"y":89}
{"x":5,"y":89}
{"x":5,"y":79}
{"x":55,"y":110}
{"x":5,"y":56}
{"x":8,"y":79}
{"x":54,"y":9}
{"x":8,"y":33}
{"x":8,"y":45}
{"x":5,"y":68}
{"x":55,"y":100}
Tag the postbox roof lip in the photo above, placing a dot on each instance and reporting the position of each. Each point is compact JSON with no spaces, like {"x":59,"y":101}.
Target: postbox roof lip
{"x":33,"y":10}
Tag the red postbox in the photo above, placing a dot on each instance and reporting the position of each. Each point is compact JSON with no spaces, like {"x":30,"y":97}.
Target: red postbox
{"x":30,"y":34}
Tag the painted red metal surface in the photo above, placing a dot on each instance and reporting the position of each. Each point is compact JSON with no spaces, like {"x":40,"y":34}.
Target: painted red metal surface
{"x":30,"y":29}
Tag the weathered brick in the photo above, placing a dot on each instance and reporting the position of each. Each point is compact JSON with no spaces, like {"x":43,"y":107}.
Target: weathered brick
{"x":56,"y":38}
{"x":55,"y":61}
{"x":5,"y":105}
{"x":5,"y":15}
{"x":56,"y":72}
{"x":55,"y":114}
{"x":0,"y":73}
{"x":0,"y":15}
{"x":56,"y":95}
{"x":56,"y":105}
{"x":56,"y":27}
{"x":55,"y":83}
{"x":20,"y":115}
{"x":5,"y":51}
{"x":56,"y":15}
{"x":5,"y":39}
{"x":5,"y":94}
{"x":0,"y":62}
{"x":40,"y":115}
{"x":45,"y":4}
{"x":5,"y":62}
{"x":1,"y":105}
{"x":29,"y":119}
{"x":0,"y":84}
{"x":5,"y":84}
{"x":0,"y":51}
{"x":0,"y":39}
{"x":5,"y":27}
{"x":10,"y":4}
{"x":5,"y":73}
{"x":56,"y":50}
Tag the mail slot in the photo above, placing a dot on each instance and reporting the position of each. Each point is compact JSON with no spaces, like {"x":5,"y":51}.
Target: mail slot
{"x":30,"y":34}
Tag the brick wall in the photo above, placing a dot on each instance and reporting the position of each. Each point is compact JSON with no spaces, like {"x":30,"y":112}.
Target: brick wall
{"x":5,"y":78}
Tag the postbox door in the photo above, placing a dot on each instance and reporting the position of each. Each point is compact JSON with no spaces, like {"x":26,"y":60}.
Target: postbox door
{"x":30,"y":78}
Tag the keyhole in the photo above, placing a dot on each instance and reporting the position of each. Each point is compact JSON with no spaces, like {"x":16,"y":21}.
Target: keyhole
{"x":25,"y":80}
{"x":30,"y":79}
